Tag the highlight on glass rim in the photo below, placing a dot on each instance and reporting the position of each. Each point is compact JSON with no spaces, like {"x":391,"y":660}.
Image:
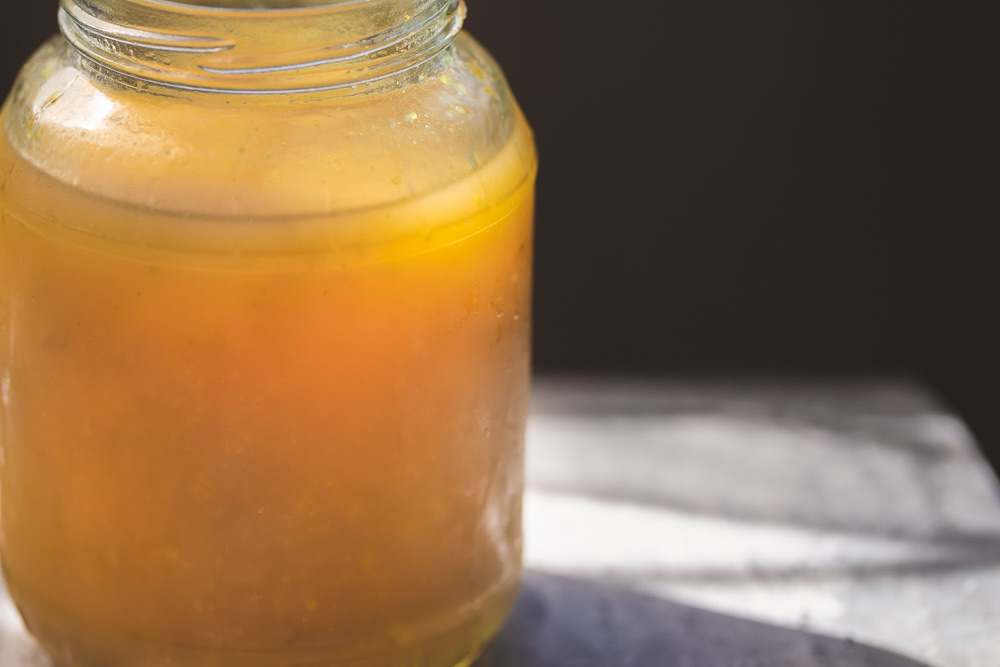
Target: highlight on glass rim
{"x":266,"y":308}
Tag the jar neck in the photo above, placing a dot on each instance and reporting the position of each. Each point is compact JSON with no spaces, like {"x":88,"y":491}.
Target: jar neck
{"x":260,"y":46}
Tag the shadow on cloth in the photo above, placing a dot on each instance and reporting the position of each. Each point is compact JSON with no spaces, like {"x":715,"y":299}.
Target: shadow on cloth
{"x":568,"y":623}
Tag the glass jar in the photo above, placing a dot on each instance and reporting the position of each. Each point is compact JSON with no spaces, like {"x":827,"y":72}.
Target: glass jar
{"x":265,"y":307}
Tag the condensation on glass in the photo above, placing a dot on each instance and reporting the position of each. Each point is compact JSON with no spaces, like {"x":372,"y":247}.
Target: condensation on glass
{"x":265,"y":276}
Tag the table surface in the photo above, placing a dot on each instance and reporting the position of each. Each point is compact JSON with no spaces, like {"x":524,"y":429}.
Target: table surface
{"x":852,"y":509}
{"x":857,"y":509}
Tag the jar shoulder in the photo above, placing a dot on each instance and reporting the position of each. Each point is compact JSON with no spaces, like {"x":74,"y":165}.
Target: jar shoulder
{"x":266,"y":155}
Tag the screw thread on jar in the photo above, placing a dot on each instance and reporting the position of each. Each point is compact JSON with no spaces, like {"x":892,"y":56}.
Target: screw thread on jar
{"x":238,"y":48}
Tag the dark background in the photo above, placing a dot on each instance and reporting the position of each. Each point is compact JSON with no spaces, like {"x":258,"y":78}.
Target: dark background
{"x":772,"y":187}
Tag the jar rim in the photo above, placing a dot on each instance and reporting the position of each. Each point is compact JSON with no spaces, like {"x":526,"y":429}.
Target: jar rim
{"x":260,"y":6}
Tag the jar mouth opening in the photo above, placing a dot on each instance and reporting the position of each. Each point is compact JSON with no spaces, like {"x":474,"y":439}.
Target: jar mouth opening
{"x":258,"y":6}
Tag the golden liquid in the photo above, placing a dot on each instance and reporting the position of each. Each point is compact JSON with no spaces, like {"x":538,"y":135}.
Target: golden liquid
{"x":216,"y":455}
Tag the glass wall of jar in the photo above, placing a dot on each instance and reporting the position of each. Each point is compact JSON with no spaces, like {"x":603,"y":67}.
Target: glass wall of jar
{"x":265,"y":274}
